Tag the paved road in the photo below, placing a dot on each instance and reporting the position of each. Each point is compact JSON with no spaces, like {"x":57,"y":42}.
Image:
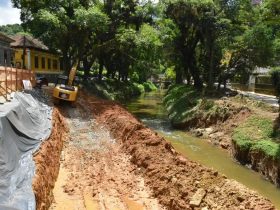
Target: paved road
{"x":272,"y":100}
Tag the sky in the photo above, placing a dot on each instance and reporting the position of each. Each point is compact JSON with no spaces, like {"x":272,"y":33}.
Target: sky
{"x":8,"y":14}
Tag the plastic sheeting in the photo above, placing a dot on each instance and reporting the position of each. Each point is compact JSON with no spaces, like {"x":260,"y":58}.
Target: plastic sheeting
{"x":24,"y":124}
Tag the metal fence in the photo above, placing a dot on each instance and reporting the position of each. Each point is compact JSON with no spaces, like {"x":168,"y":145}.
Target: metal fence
{"x":11,"y":80}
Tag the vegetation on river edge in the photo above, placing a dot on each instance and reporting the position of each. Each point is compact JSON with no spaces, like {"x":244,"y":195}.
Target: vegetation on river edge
{"x":257,"y":133}
{"x":119,"y":90}
{"x":188,"y":108}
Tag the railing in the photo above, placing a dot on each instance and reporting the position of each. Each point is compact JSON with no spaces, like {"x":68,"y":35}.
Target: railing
{"x":11,"y":80}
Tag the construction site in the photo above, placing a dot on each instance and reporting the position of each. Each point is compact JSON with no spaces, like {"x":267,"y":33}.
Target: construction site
{"x":96,"y":155}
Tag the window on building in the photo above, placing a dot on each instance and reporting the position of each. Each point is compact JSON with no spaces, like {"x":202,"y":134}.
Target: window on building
{"x":49,"y":63}
{"x":43,"y":63}
{"x":55,"y":64}
{"x":5,"y":57}
{"x":36,"y":58}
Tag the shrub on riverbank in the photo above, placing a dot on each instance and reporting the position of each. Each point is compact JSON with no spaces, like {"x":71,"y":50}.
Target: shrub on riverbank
{"x":187,"y":108}
{"x":257,"y":133}
{"x":117,"y":90}
{"x":149,"y":86}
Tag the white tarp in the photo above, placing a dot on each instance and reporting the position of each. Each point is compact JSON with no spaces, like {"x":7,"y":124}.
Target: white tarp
{"x":24,"y":124}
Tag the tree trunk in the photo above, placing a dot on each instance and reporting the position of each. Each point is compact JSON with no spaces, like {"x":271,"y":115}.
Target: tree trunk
{"x":211,"y":67}
{"x":66,"y":63}
{"x":87,"y":67}
{"x":225,"y":83}
{"x":198,"y":84}
{"x":179,"y":75}
{"x":188,"y":77}
{"x":100,"y":70}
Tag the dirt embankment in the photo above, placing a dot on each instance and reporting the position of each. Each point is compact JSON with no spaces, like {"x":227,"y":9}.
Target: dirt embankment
{"x":267,"y":166}
{"x":220,"y":133}
{"x":219,"y":129}
{"x":47,"y":163}
{"x":176,"y":181}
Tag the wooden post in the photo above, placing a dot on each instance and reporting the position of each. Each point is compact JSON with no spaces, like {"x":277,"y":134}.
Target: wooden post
{"x":16,"y":80}
{"x":21,"y":79}
{"x":11,"y":72}
{"x":6,"y":81}
{"x":29,"y":72}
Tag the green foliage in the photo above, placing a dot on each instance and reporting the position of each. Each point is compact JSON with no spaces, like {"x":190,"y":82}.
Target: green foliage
{"x":140,"y":87}
{"x":257,"y":133}
{"x":170,"y":73}
{"x":271,"y":10}
{"x":275,"y":77}
{"x":11,"y":29}
{"x":64,"y":25}
{"x":259,"y":40}
{"x":203,"y":41}
{"x":149,"y":86}
{"x":187,"y":108}
{"x":181,"y":102}
{"x":117,"y":90}
{"x":134,"y":77}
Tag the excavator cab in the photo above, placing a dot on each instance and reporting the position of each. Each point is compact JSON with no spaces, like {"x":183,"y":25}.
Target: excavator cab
{"x":66,"y":88}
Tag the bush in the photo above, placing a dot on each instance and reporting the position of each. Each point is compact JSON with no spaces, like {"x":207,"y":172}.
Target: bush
{"x":149,"y":86}
{"x":187,"y":108}
{"x":116,"y":90}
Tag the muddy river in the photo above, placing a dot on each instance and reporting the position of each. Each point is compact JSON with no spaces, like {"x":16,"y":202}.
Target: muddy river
{"x":149,"y":110}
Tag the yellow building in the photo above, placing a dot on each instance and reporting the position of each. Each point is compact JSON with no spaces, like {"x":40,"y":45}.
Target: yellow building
{"x":37,"y":56}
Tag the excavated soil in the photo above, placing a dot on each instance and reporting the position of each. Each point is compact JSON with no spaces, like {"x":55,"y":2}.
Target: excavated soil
{"x":176,"y":182}
{"x":95,"y":171}
{"x":47,"y":163}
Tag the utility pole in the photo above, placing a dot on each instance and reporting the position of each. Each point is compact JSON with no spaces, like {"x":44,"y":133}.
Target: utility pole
{"x":23,"y":55}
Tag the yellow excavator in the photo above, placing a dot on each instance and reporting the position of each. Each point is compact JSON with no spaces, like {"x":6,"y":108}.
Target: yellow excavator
{"x":66,"y":87}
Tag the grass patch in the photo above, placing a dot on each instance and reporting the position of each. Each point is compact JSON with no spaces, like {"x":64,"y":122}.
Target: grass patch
{"x":257,"y":133}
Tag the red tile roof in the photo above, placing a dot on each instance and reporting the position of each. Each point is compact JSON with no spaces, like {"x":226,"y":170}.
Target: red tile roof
{"x":5,"y":38}
{"x":30,"y":42}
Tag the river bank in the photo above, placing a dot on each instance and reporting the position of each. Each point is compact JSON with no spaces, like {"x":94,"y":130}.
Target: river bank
{"x":149,"y":109}
{"x":238,"y":124}
{"x":112,"y":89}
{"x":175,"y":181}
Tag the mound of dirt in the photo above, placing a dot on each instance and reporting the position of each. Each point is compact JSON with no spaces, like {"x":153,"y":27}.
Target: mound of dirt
{"x":176,"y":181}
{"x":47,"y":163}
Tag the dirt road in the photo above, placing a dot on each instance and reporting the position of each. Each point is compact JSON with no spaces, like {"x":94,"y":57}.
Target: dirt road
{"x":95,"y":173}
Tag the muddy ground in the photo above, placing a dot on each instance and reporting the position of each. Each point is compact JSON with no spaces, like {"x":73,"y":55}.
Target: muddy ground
{"x":112,"y":161}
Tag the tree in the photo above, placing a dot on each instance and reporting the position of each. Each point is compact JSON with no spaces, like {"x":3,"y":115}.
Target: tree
{"x":11,"y":29}
{"x":63,"y":25}
{"x":187,"y":15}
{"x":275,"y":77}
